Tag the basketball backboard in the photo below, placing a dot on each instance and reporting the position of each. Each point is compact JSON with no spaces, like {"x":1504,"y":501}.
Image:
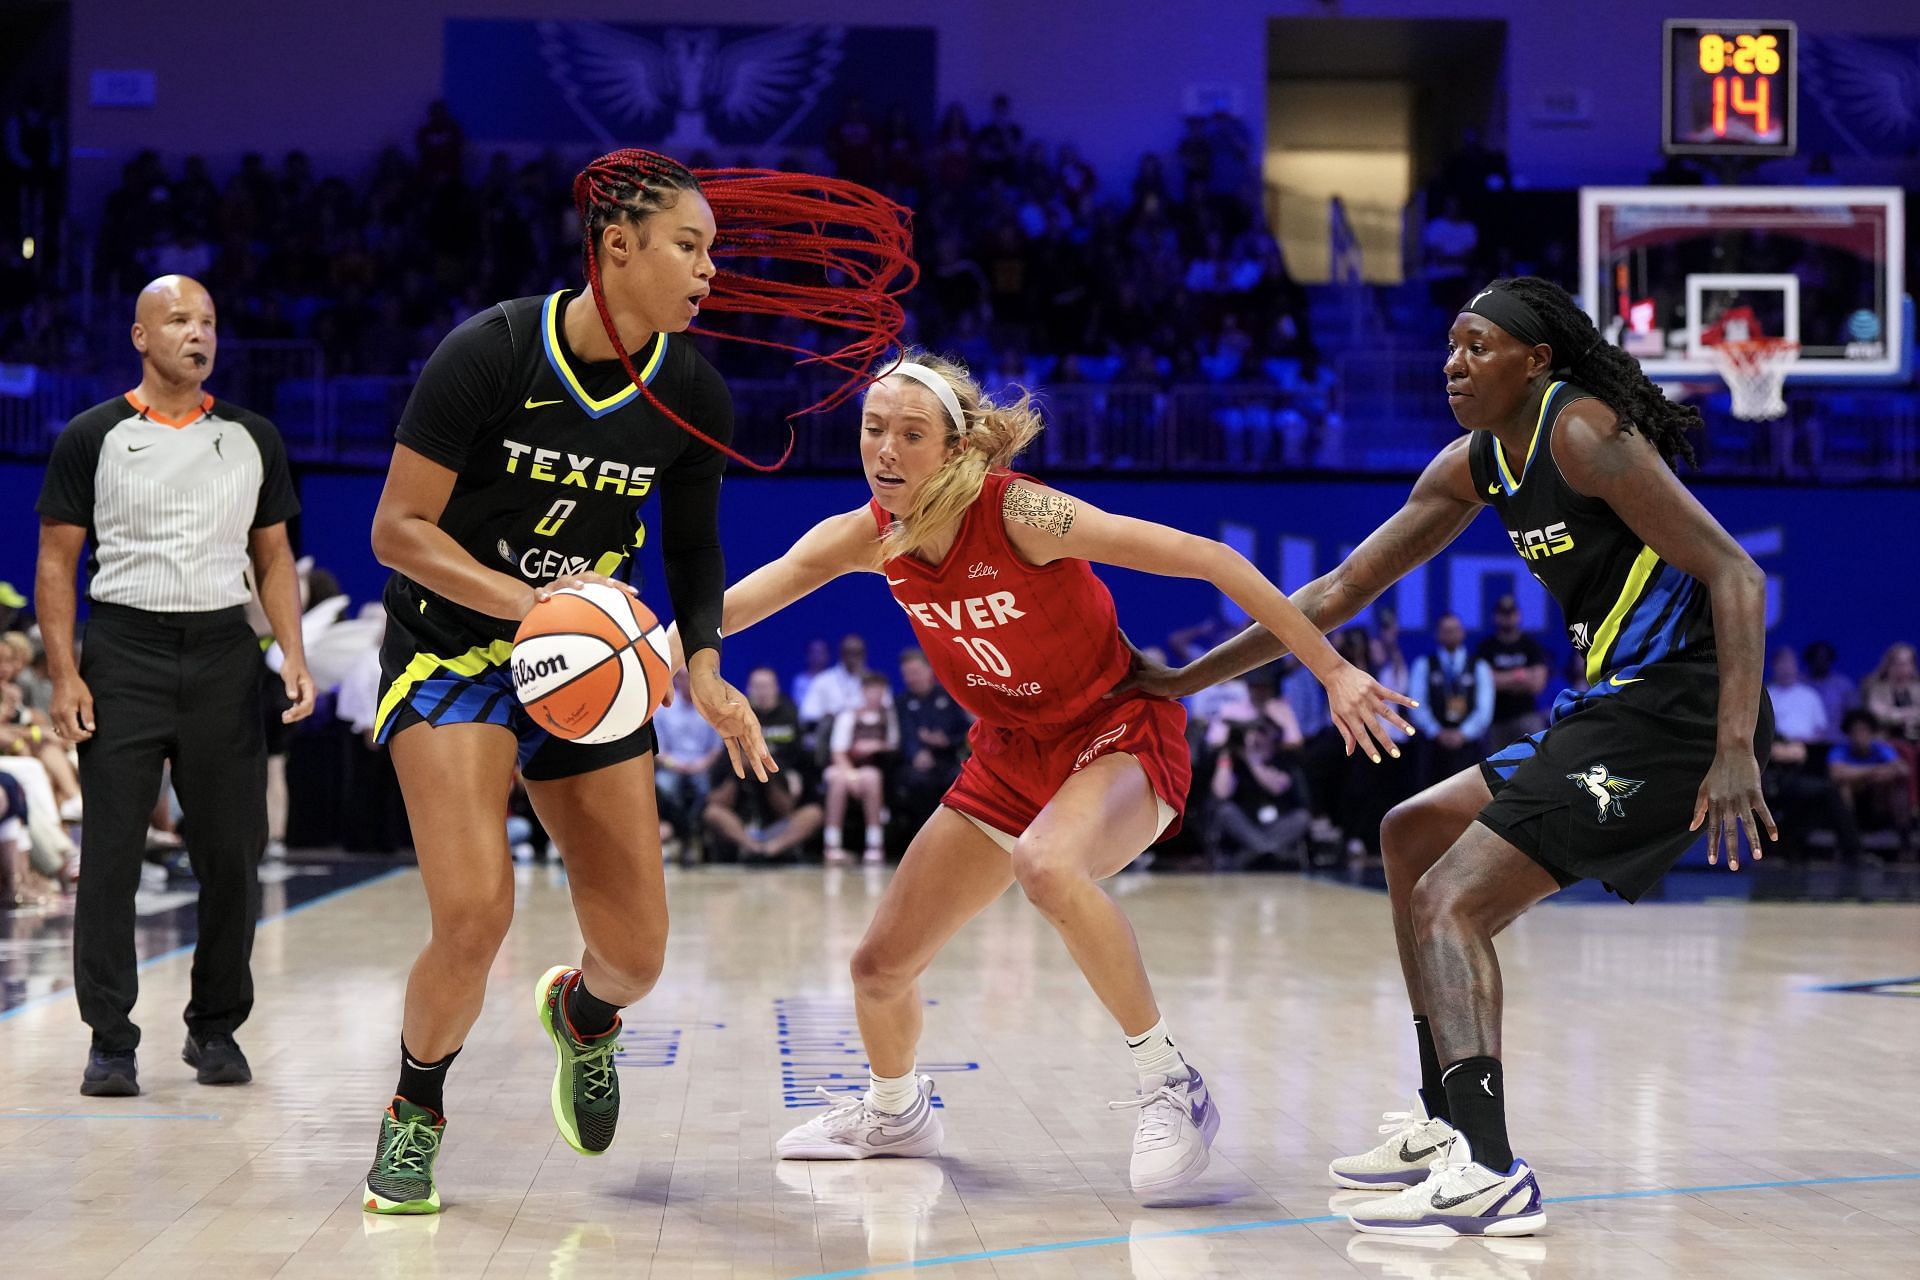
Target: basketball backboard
{"x":1663,"y":268}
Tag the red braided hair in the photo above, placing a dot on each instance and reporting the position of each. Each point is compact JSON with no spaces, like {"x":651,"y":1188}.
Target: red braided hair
{"x":855,"y":243}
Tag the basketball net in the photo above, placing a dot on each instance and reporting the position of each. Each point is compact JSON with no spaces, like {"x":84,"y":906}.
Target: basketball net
{"x":1755,"y":371}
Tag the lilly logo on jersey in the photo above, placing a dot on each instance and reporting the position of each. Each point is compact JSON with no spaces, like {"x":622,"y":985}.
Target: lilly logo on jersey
{"x":983,"y":613}
{"x":1537,"y":544}
{"x":616,"y":477}
{"x":981,"y":569}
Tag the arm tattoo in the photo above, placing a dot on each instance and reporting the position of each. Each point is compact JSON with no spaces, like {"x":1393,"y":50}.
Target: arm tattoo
{"x":1048,"y":512}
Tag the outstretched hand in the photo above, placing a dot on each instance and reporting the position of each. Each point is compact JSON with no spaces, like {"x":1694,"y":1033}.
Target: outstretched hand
{"x":1358,"y":704}
{"x":727,"y":710}
{"x":1730,"y":799}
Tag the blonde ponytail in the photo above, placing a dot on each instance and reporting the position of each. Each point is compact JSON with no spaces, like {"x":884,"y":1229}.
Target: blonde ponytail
{"x":994,"y":436}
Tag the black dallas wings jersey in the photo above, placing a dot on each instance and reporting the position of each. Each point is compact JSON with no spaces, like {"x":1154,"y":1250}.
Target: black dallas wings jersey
{"x":1626,"y":609}
{"x":556,"y":459}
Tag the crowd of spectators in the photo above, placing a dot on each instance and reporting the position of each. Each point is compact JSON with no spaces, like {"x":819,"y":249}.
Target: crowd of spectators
{"x":1030,"y":265}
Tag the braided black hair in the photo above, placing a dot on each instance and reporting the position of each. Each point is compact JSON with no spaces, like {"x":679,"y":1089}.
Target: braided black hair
{"x":1607,"y":371}
{"x":625,"y":185}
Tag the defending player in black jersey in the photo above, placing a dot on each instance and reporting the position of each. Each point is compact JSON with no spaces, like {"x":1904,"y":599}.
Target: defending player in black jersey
{"x":1573,"y":448}
{"x":526,"y":455}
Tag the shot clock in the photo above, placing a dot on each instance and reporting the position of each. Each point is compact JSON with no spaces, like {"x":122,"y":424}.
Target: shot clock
{"x":1729,"y":88}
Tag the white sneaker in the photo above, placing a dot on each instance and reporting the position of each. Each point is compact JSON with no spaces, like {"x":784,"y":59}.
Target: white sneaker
{"x":1177,"y":1124}
{"x":852,"y":1130}
{"x":1459,"y":1198}
{"x":1414,"y":1145}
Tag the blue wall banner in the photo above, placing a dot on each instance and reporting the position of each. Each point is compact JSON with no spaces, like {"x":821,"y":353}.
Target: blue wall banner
{"x":1831,"y":556}
{"x":681,"y":88}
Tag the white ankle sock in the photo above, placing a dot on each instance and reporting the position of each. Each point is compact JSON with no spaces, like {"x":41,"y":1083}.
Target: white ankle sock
{"x":833,"y":837}
{"x":876,"y":837}
{"x":1153,"y":1052}
{"x":895,"y":1095}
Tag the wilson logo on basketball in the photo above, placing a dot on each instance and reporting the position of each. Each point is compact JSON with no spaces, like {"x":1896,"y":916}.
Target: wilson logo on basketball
{"x":525,"y":673}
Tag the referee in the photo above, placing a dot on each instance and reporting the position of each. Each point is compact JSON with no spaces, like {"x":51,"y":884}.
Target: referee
{"x":178,"y":491}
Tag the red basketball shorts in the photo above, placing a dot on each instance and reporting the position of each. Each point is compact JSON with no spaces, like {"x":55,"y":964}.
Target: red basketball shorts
{"x":1013,"y":773}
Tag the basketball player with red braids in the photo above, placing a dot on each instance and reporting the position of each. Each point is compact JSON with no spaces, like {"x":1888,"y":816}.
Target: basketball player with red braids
{"x":536,"y":434}
{"x":1065,"y":786}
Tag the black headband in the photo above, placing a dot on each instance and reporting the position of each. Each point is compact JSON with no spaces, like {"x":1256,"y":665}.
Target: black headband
{"x":1512,"y":314}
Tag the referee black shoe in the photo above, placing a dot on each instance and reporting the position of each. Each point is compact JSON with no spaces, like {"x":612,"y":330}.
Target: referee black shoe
{"x":110,"y":1074}
{"x":216,"y":1059}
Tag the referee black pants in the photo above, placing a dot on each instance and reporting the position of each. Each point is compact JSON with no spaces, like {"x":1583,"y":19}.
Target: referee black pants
{"x":179,"y":687}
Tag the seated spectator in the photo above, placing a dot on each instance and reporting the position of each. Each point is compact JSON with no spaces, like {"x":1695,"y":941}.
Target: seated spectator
{"x":1260,"y":810}
{"x":864,"y":739}
{"x":1836,"y":689}
{"x":1799,"y":790}
{"x":1519,"y":665}
{"x":835,"y":690}
{"x":933,"y":732}
{"x":25,"y":659}
{"x":1799,"y":712}
{"x":755,"y":820}
{"x":13,"y":845}
{"x":819,"y":658}
{"x":779,"y":718}
{"x":1455,"y":692}
{"x":686,"y":750}
{"x":1871,"y":776}
{"x":1892,"y":694}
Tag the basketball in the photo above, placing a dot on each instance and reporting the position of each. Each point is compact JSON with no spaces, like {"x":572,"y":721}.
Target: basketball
{"x":590,"y":664}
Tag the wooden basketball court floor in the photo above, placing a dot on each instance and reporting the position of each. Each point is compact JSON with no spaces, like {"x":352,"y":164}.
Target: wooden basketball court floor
{"x":1694,"y":1100}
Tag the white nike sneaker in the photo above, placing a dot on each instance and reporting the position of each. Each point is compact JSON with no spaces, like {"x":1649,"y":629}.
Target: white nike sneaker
{"x":1177,"y":1124}
{"x":1414,"y":1145}
{"x":852,"y":1130}
{"x":1459,"y":1198}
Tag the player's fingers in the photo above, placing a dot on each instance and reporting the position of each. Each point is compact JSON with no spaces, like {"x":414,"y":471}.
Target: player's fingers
{"x":1766,"y":817}
{"x":733,"y":757}
{"x":756,"y":746}
{"x":1699,"y":810}
{"x":1401,"y":698}
{"x":1752,"y":829}
{"x":1346,"y":735}
{"x":1395,"y":719}
{"x":1363,"y":738}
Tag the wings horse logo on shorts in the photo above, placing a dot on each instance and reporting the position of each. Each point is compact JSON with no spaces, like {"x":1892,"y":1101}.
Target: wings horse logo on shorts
{"x":1607,"y":789}
{"x":1098,"y":745}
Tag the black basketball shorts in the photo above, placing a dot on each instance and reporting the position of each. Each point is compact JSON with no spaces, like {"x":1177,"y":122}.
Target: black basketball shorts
{"x":1606,"y":792}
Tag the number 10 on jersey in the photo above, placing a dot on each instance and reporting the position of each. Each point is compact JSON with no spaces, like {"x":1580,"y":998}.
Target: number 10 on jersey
{"x":985,"y":655}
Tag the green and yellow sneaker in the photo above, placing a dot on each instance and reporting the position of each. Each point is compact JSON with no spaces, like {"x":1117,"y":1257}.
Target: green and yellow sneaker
{"x":401,"y":1180}
{"x":586,"y":1088}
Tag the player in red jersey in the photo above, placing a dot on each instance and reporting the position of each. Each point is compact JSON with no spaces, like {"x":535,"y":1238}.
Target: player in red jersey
{"x":1065,"y":786}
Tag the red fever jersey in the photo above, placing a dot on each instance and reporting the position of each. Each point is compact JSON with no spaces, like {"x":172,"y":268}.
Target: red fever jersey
{"x":1022,"y":646}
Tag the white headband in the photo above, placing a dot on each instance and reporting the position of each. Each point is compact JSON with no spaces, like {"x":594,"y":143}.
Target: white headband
{"x":936,"y":384}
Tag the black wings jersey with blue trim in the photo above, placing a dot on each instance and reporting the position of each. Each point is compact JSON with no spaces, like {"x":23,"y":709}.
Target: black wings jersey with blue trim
{"x":556,"y":459}
{"x":1626,"y":609}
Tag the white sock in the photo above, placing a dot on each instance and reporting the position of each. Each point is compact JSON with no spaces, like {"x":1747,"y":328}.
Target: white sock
{"x":894,"y":1095}
{"x":876,"y":837}
{"x":1154,"y":1054}
{"x":833,"y":837}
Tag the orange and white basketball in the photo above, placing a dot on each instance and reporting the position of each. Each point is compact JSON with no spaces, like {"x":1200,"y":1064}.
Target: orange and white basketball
{"x":591,"y":664}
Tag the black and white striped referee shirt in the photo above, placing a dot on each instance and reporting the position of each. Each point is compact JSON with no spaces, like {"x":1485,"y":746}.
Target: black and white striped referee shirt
{"x":168,"y":503}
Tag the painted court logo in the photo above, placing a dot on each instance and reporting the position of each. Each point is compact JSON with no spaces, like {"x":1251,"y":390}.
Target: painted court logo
{"x":1606,"y":789}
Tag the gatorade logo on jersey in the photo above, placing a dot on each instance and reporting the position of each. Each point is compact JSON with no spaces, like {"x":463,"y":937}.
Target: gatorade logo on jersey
{"x":556,"y":466}
{"x":975,"y":613}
